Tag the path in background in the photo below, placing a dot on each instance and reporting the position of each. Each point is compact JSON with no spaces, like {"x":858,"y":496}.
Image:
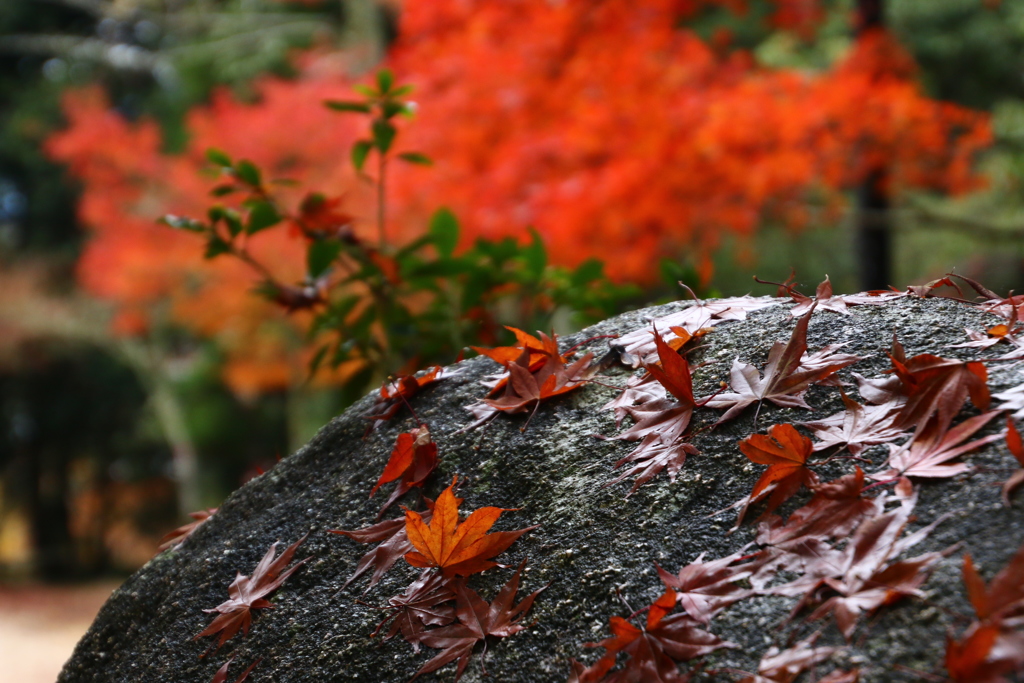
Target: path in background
{"x":39,"y":626}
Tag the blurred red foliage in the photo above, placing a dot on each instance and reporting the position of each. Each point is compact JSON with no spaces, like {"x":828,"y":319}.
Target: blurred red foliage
{"x":612,"y":128}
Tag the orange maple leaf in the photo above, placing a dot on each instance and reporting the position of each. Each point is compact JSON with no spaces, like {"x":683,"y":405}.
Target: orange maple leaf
{"x":457,"y":549}
{"x":785,"y":451}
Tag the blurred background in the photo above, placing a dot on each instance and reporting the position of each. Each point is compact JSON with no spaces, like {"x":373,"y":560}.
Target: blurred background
{"x":550,"y":163}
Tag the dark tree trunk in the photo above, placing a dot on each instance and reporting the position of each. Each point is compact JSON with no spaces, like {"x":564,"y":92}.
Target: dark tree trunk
{"x":874,"y":220}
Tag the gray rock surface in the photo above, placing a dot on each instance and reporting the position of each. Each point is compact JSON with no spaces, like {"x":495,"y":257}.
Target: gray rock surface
{"x":592,"y":540}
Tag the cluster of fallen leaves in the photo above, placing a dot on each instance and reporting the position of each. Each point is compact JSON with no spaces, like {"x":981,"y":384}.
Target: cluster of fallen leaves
{"x":439,"y":609}
{"x":843,"y":546}
{"x":840,"y":556}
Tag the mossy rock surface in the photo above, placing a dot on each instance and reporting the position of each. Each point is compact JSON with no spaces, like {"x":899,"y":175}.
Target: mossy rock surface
{"x":592,"y":543}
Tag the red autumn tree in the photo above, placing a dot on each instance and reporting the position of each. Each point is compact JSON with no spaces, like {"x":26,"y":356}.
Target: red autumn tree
{"x":610,"y":126}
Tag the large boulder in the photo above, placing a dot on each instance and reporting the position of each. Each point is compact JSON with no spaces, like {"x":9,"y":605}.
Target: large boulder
{"x":594,"y":547}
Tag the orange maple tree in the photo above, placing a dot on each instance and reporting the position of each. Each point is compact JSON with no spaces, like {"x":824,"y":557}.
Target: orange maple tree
{"x":614,"y":129}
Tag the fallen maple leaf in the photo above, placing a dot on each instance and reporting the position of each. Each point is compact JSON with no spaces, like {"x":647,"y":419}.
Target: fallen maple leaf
{"x":990,"y":647}
{"x":783,"y":381}
{"x":177,"y":536}
{"x":413,"y":459}
{"x":248,"y":593}
{"x":526,"y":389}
{"x":539,"y":349}
{"x":938,"y":387}
{"x":864,"y":579}
{"x":856,"y":427}
{"x":222,"y":673}
{"x":1004,"y":596}
{"x":926,"y":290}
{"x":476,"y":621}
{"x":638,"y":347}
{"x":651,"y":457}
{"x":785,"y":451}
{"x":1016,"y":446}
{"x":703,"y":589}
{"x":1013,"y":400}
{"x":422,"y":604}
{"x":653,"y":651}
{"x":394,"y":544}
{"x":785,"y":666}
{"x":969,"y":661}
{"x":825,"y":300}
{"x":393,"y":395}
{"x":928,"y":453}
{"x":457,"y":549}
{"x":799,"y":544}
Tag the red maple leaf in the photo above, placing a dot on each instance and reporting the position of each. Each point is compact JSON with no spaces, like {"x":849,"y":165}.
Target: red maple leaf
{"x":476,"y":621}
{"x":422,"y":604}
{"x":1016,"y":446}
{"x":177,"y":536}
{"x":393,"y":395}
{"x":653,"y":651}
{"x":785,"y":451}
{"x":412,"y":461}
{"x":526,"y":389}
{"x":856,"y":427}
{"x":703,"y":589}
{"x":785,"y":666}
{"x":800,"y":543}
{"x":222,"y":673}
{"x":864,"y":578}
{"x":394,"y":544}
{"x":938,"y":387}
{"x":638,"y":347}
{"x":928,"y":453}
{"x":991,"y":646}
{"x":825,"y":300}
{"x":784,"y":381}
{"x":249,"y":592}
{"x":661,"y":424}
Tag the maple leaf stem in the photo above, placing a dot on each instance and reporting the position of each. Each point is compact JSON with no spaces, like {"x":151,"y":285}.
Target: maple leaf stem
{"x":533,"y":412}
{"x":783,"y":285}
{"x":416,"y":417}
{"x":618,"y":594}
{"x":587,"y":341}
{"x":880,"y":483}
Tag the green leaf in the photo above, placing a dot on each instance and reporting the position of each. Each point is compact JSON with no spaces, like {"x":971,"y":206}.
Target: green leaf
{"x":222,"y":190}
{"x":360,"y":150}
{"x":347,"y":105}
{"x":248,"y":173}
{"x":317,"y":359}
{"x":587,"y":272}
{"x":535,"y":256}
{"x":233,"y":221}
{"x":320,"y":256}
{"x":383,"y":135}
{"x":392,"y":108}
{"x":416,"y":158}
{"x":385,"y":79}
{"x":183,"y":223}
{"x":262,"y":215}
{"x":365,"y":90}
{"x":215,"y":156}
{"x":444,"y":230}
{"x":216,"y":246}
